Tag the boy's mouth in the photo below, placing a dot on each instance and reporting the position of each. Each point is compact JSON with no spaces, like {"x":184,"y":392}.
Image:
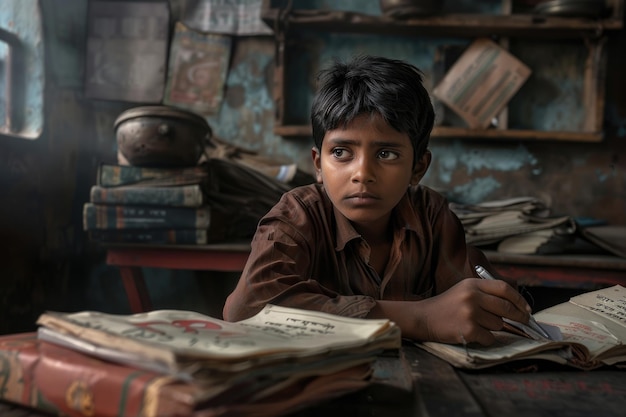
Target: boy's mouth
{"x":363,"y":195}
{"x":362,"y":199}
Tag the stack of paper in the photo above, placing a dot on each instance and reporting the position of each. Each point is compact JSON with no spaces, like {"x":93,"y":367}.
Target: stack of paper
{"x":517,"y":225}
{"x":525,"y":220}
{"x":233,"y":366}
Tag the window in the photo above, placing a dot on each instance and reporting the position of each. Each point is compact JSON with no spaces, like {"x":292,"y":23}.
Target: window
{"x":22,"y":73}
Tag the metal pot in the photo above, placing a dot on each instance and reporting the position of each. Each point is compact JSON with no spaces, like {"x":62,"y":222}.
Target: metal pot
{"x":407,"y":9}
{"x":161,"y":136}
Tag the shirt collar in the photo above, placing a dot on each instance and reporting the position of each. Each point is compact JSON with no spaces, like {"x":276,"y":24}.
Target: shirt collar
{"x":345,"y":230}
{"x":405,"y":214}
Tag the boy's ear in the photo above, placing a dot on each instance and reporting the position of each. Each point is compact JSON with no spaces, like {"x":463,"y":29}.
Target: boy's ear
{"x":317,"y":163}
{"x":421,"y":166}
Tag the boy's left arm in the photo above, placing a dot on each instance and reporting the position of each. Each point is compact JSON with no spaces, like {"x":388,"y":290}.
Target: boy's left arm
{"x":278,"y":271}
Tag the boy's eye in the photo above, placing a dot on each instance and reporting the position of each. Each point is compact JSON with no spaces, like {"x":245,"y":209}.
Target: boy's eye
{"x":339,"y":153}
{"x":388,"y":155}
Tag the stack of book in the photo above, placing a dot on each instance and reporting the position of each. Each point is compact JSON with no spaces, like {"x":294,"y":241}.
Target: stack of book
{"x":172,"y":363}
{"x":521,"y":225}
{"x":133,"y":204}
{"x":222,"y":198}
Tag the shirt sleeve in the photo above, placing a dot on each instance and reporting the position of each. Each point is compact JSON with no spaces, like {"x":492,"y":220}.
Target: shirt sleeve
{"x":285,"y":255}
{"x":453,"y":259}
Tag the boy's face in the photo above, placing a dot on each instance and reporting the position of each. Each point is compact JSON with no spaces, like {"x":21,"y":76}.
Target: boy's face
{"x":366,"y":169}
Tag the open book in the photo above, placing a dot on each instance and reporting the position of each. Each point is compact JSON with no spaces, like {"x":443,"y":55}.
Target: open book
{"x":276,"y":341}
{"x":593,"y":329}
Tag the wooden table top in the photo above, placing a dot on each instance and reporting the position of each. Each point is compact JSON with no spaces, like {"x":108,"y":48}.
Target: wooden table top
{"x":416,"y":383}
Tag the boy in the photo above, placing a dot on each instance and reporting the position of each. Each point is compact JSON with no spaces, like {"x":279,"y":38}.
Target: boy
{"x":368,"y":240}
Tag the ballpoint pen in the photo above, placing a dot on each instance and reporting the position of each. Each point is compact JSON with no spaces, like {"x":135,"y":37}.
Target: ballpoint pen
{"x":484,"y":274}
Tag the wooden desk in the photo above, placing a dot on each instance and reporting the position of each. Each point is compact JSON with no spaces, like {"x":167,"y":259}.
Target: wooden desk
{"x":228,"y":257}
{"x":584,"y":272}
{"x":418,"y":384}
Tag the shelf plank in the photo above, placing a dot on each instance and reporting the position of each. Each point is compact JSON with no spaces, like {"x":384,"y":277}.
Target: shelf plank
{"x":463,"y":133}
{"x":465,"y":25}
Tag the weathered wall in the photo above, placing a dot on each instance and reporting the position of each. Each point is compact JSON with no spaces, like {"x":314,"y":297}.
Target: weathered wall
{"x":46,"y":262}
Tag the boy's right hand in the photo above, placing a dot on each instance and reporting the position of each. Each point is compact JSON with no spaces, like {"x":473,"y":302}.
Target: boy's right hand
{"x":466,"y":313}
{"x":470,"y":310}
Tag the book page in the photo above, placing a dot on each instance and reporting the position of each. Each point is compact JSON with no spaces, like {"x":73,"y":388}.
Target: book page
{"x":608,"y":302}
{"x":507,"y":347}
{"x":592,"y":315}
{"x":272,"y":331}
{"x":314,"y":328}
{"x":592,"y":334}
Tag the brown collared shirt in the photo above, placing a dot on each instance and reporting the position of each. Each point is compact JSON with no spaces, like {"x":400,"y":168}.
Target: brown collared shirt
{"x":306,"y":254}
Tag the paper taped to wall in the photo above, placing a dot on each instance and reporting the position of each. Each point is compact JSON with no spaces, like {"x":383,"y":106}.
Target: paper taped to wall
{"x":481,"y":82}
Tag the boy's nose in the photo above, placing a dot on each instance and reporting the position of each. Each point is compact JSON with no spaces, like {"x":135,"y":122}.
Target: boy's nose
{"x":364,"y":171}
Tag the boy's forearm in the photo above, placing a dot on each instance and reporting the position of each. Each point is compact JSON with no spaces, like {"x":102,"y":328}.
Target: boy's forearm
{"x":405,"y":315}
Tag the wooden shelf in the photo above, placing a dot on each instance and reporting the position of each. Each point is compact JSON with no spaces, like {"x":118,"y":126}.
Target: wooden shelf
{"x":591,"y":33}
{"x":459,"y":132}
{"x":465,"y":25}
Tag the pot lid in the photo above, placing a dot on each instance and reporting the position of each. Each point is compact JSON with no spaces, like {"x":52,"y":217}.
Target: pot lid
{"x":161,"y":111}
{"x":572,"y":8}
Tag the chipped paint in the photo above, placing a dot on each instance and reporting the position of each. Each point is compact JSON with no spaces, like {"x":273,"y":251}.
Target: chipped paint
{"x":475,"y":159}
{"x":480,"y":165}
{"x":253,"y":101}
{"x":476,"y":190}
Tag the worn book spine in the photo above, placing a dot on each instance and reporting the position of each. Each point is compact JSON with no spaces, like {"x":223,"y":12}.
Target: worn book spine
{"x":61,"y":381}
{"x":111,"y":175}
{"x":156,"y":236}
{"x":181,"y":196}
{"x":100,"y":216}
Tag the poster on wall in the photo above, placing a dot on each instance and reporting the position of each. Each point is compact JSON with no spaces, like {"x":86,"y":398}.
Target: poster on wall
{"x":233,"y":17}
{"x":197,"y":70}
{"x":126,"y":55}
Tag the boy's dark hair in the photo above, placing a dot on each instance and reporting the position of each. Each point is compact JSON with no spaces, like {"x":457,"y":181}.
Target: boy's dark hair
{"x":369,"y":85}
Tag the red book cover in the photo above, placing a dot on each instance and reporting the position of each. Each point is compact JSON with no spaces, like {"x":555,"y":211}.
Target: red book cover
{"x":64,"y":382}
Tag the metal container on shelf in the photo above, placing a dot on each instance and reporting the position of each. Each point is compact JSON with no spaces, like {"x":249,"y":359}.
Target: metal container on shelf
{"x":159,"y":136}
{"x":406,"y":9}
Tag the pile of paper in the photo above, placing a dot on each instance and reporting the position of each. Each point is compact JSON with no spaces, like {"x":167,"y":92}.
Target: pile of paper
{"x":234,"y":367}
{"x":246,"y":184}
{"x":519,"y":224}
